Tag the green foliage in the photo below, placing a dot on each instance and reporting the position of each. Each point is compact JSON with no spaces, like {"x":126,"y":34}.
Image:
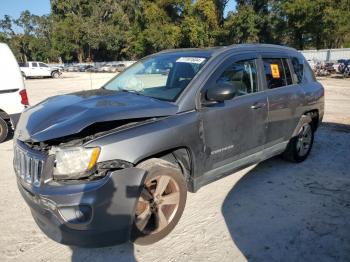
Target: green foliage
{"x":84,"y":30}
{"x":241,"y":26}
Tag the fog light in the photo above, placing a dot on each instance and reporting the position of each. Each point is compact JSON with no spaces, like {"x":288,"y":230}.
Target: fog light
{"x":76,"y":214}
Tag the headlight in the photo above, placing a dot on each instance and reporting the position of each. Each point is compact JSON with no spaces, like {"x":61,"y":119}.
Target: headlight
{"x":74,"y":162}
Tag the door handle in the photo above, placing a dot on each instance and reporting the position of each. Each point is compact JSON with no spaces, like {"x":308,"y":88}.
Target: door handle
{"x":257,"y":105}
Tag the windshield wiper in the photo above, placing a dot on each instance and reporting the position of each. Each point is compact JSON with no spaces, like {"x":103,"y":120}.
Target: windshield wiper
{"x":131,"y":91}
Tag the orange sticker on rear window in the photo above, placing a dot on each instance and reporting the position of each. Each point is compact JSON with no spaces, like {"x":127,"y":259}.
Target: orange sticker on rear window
{"x":275,"y":71}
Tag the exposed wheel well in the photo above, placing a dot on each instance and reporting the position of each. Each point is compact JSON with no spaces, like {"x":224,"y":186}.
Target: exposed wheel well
{"x":179,"y":157}
{"x":315,"y":118}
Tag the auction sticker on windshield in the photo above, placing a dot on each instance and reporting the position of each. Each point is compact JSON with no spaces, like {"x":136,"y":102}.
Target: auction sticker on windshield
{"x":192,"y":60}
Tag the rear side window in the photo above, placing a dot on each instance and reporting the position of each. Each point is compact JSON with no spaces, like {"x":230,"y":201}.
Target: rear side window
{"x":298,"y":66}
{"x":34,"y":64}
{"x":243,"y":75}
{"x":277,"y":72}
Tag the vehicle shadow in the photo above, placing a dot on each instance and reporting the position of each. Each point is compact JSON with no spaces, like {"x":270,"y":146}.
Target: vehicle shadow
{"x":282,"y":211}
{"x":121,"y":253}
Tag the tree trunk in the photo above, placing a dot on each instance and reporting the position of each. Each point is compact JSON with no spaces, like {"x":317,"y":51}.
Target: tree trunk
{"x":80,"y":55}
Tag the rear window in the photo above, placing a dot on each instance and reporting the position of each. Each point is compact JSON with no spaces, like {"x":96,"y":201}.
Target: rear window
{"x":277,"y":72}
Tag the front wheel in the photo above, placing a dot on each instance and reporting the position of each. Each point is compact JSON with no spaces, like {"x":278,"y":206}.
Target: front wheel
{"x":55,"y":74}
{"x":299,"y":147}
{"x":161,"y":203}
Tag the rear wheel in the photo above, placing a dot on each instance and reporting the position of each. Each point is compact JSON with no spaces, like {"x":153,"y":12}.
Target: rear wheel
{"x":4,"y":130}
{"x":299,"y":147}
{"x":161,"y":202}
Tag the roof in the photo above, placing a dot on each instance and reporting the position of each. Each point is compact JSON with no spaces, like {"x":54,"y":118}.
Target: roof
{"x":211,"y":51}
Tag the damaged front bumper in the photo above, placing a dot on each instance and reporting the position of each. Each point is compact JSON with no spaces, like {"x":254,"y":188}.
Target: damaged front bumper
{"x":90,"y":214}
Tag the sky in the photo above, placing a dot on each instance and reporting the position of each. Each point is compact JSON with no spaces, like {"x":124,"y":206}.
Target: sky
{"x":231,"y":6}
{"x":15,"y":7}
{"x":42,"y":7}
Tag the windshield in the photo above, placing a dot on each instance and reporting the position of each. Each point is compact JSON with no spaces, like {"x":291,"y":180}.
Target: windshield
{"x":162,"y":77}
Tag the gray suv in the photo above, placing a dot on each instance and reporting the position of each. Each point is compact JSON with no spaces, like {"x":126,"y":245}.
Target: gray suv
{"x":104,"y":166}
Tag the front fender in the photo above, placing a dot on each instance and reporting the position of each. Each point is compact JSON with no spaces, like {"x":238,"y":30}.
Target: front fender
{"x":137,"y":143}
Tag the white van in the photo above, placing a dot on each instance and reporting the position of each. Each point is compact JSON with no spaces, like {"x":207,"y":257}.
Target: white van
{"x":13,"y":96}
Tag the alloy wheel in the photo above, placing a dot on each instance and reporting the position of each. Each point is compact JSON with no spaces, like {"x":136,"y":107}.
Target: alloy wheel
{"x":304,"y":140}
{"x":157,"y":204}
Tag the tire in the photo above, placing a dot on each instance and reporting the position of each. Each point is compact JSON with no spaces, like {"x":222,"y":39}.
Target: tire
{"x":55,"y":74}
{"x":299,"y":147}
{"x":4,"y":130}
{"x":156,"y":215}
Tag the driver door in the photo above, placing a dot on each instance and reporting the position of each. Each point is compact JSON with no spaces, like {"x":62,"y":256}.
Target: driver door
{"x":44,"y":69}
{"x":236,"y":128}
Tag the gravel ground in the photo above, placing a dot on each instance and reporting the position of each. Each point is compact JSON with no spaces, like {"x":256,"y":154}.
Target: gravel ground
{"x":273,"y":211}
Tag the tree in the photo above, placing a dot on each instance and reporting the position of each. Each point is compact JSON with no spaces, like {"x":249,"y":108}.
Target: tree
{"x":241,"y":26}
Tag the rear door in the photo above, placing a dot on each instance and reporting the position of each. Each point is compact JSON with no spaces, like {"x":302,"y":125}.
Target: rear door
{"x":34,"y":69}
{"x":284,"y":96}
{"x":235,"y":128}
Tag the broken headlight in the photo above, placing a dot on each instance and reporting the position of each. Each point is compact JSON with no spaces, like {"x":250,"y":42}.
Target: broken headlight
{"x":74,"y":162}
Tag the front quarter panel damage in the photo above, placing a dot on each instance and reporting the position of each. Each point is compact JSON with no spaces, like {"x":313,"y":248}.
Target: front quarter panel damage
{"x":139,"y":143}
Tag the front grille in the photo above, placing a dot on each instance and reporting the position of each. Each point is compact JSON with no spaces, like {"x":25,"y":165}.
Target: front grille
{"x":28,"y":164}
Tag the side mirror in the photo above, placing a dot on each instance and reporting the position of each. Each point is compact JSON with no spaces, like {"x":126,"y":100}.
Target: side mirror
{"x":221,"y":92}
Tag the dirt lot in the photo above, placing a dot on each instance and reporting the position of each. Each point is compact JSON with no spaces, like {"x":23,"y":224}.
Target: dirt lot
{"x":274,"y":211}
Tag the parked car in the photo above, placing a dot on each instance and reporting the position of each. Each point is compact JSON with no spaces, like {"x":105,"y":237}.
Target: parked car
{"x":324,"y":69}
{"x":342,"y":65}
{"x":13,"y":96}
{"x":39,"y":69}
{"x":92,"y":69}
{"x":84,"y":68}
{"x":115,"y":163}
{"x":72,"y":68}
{"x":107,"y":68}
{"x":120,"y":67}
{"x":346,"y":70}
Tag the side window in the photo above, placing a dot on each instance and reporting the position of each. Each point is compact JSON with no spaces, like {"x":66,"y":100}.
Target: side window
{"x":298,"y":66}
{"x":42,"y":65}
{"x":34,"y":64}
{"x":243,"y":75}
{"x":277,"y":72}
{"x":23,"y":64}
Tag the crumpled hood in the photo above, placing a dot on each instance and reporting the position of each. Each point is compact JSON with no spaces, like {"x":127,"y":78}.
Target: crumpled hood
{"x":69,"y":114}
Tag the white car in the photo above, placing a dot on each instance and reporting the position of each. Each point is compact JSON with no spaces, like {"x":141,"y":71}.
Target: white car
{"x":39,"y":69}
{"x":13,"y":96}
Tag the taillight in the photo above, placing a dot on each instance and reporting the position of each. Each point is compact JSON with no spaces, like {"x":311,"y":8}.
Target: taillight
{"x":24,"y":97}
